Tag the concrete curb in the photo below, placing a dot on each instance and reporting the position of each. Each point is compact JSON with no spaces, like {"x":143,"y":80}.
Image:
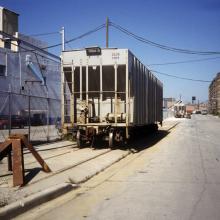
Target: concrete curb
{"x":32,"y":201}
{"x":173,"y":126}
{"x":169,"y":127}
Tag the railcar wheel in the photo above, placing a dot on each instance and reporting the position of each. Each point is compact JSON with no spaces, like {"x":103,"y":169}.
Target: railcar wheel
{"x":111,"y":139}
{"x":93,"y":141}
{"x":79,"y":140}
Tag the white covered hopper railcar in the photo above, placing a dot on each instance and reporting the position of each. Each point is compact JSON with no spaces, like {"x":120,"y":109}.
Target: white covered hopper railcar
{"x":108,"y":93}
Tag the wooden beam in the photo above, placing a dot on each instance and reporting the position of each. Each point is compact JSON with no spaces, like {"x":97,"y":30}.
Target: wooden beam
{"x":18,"y":163}
{"x":36,"y":155}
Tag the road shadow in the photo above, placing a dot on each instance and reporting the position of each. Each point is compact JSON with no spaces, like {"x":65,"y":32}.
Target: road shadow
{"x":138,"y":142}
{"x":143,"y":141}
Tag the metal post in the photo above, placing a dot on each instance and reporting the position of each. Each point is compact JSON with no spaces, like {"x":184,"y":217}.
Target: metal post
{"x":72,"y":96}
{"x":6,"y":66}
{"x":80,"y":82}
{"x":10,"y":103}
{"x":107,"y":32}
{"x":62,"y":96}
{"x":101,"y":93}
{"x":63,"y":38}
{"x":127,"y":99}
{"x":87,"y":90}
{"x":101,"y":87}
{"x":48,"y":115}
{"x":116,"y":101}
{"x":19,"y":54}
{"x":29,"y":117}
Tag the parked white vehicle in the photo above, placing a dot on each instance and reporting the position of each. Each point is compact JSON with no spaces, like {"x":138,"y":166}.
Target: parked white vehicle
{"x":204,"y":112}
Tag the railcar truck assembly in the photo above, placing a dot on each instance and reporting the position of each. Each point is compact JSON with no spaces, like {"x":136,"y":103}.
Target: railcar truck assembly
{"x":107,"y":93}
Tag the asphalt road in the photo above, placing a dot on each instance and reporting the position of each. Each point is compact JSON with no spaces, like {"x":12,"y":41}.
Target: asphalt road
{"x":177,"y":177}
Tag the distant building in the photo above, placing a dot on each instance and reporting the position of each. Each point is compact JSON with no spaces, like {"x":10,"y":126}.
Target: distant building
{"x":214,"y":95}
{"x":168,"y":102}
{"x":16,"y":76}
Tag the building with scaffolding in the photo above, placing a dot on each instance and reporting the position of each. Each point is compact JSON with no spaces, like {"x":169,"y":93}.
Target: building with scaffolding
{"x":25,"y":70}
{"x":214,"y":95}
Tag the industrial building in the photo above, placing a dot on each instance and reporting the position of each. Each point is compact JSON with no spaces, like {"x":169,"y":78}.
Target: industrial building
{"x":214,"y":95}
{"x":25,"y":71}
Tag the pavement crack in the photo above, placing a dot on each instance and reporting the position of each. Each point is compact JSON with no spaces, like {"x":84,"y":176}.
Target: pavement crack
{"x":195,"y":206}
{"x":200,"y":153}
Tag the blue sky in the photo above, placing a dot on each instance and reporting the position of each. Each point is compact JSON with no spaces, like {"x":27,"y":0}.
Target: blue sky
{"x":188,"y":24}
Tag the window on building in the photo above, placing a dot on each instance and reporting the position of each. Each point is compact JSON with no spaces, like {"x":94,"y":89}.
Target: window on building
{"x":8,"y":44}
{"x":2,"y":70}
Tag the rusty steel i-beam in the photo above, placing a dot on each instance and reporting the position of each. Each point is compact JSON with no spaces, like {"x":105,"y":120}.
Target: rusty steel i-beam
{"x":15,"y":144}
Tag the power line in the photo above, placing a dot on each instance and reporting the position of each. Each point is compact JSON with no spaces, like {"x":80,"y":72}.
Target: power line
{"x":33,"y":51}
{"x":161,"y":46}
{"x":78,"y":37}
{"x":166,"y":74}
{"x":68,"y":45}
{"x":185,"y":61}
{"x":165,"y":47}
{"x":29,"y":45}
{"x":87,"y":33}
{"x":44,"y":34}
{"x":43,"y":50}
{"x":179,"y":77}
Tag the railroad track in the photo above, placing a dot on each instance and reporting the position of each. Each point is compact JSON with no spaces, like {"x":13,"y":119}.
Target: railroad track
{"x":69,"y":160}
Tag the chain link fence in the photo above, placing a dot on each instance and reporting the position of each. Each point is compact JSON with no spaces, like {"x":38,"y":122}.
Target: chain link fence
{"x":167,"y":113}
{"x":39,"y":117}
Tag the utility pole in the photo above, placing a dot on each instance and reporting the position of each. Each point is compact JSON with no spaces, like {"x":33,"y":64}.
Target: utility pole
{"x":107,"y":31}
{"x":63,"y":38}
